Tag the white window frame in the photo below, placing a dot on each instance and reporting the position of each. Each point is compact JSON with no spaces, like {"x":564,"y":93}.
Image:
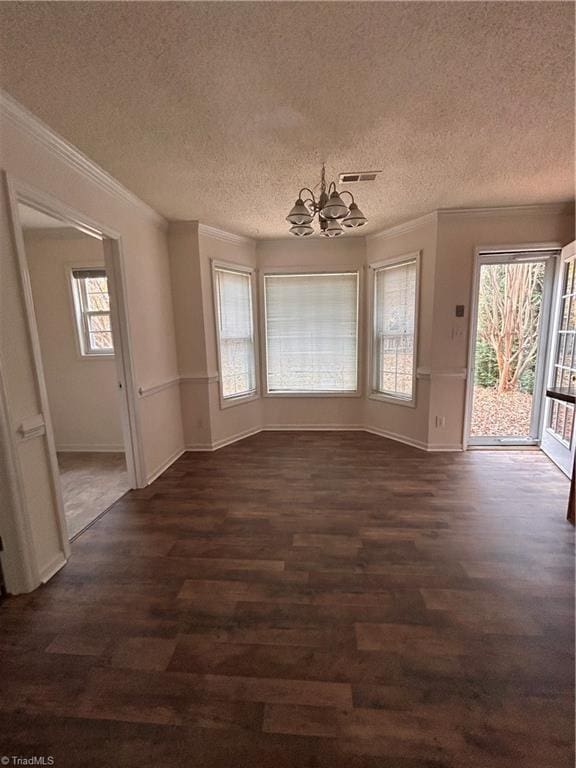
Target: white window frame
{"x":305,"y":271}
{"x":373,"y":393}
{"x":232,"y":400}
{"x":81,"y":314}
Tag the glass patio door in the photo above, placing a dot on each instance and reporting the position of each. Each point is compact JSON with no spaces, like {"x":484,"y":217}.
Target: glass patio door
{"x":558,"y":437}
{"x":513,"y":303}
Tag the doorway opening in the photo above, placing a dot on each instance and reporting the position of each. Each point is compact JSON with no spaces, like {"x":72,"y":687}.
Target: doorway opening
{"x":513,"y":299}
{"x":73,"y":310}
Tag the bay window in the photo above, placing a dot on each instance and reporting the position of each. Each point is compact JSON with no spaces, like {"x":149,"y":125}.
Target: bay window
{"x":311,"y":332}
{"x":394,"y":334}
{"x":233,"y":289}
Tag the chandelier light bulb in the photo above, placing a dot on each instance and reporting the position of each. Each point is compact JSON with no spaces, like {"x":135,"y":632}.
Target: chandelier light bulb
{"x":299,"y":213}
{"x":301,"y":230}
{"x":335,"y":208}
{"x":333,"y":229}
{"x":355,"y":218}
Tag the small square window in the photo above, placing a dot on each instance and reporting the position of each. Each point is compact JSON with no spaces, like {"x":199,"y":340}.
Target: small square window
{"x":92,"y":311}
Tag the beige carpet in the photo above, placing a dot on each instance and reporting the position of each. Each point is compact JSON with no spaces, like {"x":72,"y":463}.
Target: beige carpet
{"x":91,"y":482}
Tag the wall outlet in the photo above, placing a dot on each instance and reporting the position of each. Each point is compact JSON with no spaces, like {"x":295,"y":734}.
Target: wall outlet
{"x":440,"y":422}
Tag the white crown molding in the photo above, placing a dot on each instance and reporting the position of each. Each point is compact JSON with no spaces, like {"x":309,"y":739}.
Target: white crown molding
{"x":401,"y":229}
{"x":23,"y":119}
{"x":511,"y":210}
{"x":221,"y":234}
{"x":541,"y":209}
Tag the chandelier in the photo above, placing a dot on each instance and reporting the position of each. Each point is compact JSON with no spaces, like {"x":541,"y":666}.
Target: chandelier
{"x":333,"y":213}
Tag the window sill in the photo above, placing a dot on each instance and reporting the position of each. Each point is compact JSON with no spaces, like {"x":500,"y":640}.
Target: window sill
{"x":313,"y":394}
{"x":107,"y":356}
{"x":230,"y":402}
{"x":381,"y":397}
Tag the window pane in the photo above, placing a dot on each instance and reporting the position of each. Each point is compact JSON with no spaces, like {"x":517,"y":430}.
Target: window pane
{"x":236,"y":332}
{"x":312,"y":332}
{"x":394,"y":318}
{"x":92,"y":310}
{"x":97,"y":284}
{"x":98,"y":301}
{"x":101,"y":340}
{"x":99,"y":322}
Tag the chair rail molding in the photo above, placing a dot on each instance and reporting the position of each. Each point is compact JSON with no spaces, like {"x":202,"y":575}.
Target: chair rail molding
{"x":193,"y":378}
{"x":153,"y":389}
{"x":428,"y":373}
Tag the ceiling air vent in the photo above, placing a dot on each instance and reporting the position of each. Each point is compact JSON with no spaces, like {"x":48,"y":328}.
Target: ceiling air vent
{"x":351,"y":178}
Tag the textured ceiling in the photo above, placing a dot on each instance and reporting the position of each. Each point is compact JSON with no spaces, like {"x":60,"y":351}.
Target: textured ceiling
{"x":222,"y":111}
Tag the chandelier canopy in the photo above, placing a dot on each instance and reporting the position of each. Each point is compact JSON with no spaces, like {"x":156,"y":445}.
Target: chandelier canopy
{"x":333,"y":213}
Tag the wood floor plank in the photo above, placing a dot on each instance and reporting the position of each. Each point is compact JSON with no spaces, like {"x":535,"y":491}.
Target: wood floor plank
{"x":307,"y":600}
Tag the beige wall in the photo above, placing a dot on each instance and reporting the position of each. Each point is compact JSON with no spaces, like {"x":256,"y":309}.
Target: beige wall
{"x":309,"y":255}
{"x":82,"y":391}
{"x":26,"y":156}
{"x":192,"y":250}
{"x":459,"y":235}
{"x":446,"y":243}
{"x":395,"y":419}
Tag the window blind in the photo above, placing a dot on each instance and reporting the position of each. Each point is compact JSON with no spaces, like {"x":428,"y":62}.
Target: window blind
{"x":312,"y":332}
{"x":394,"y":329}
{"x":235,"y":332}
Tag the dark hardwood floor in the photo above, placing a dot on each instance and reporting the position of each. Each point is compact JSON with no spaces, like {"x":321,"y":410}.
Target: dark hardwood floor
{"x":307,"y":600}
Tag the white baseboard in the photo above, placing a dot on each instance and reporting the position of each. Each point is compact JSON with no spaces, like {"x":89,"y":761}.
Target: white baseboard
{"x":224,"y":441}
{"x":235,"y":438}
{"x":430,"y":447}
{"x":85,"y":448}
{"x":164,"y":466}
{"x":57,"y":562}
{"x":313,"y":428}
{"x":397,"y":438}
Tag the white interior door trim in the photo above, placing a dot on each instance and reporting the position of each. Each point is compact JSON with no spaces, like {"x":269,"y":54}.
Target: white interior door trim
{"x":20,"y":192}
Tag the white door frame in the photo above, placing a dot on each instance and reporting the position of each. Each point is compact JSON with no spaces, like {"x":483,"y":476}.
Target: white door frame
{"x":22,"y":193}
{"x":550,"y":443}
{"x":483,"y":254}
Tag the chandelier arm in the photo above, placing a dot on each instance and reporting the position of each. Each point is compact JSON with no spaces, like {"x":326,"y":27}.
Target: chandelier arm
{"x":345,"y":192}
{"x":332,"y":184}
{"x":306,"y":189}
